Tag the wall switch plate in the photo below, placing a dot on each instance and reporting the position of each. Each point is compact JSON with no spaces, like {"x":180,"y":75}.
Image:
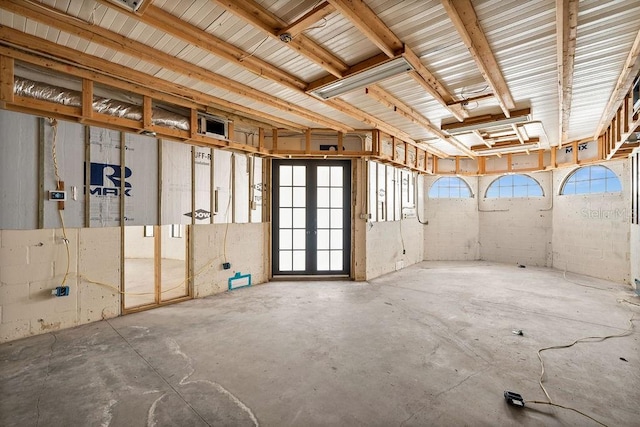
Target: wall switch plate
{"x":59,"y":196}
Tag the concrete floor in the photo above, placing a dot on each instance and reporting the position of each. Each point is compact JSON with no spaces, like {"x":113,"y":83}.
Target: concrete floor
{"x":429,"y":345}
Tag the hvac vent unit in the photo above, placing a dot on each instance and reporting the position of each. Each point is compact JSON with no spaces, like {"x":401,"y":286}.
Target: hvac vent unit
{"x":212,"y":126}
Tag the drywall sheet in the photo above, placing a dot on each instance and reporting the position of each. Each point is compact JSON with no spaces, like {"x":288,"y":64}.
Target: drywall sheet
{"x":106,"y":175}
{"x":69,"y":157}
{"x":176,"y":183}
{"x":202,"y":173}
{"x":223,"y":185}
{"x":18,"y":171}
{"x":141,"y":196}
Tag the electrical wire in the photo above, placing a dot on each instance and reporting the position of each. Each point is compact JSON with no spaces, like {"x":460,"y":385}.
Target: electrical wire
{"x":254,"y":50}
{"x":54,"y":157}
{"x":541,"y":402}
{"x":117,"y":289}
{"x":591,"y":339}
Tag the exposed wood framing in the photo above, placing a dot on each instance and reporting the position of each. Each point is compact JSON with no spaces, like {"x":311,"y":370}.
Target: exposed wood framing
{"x":100,"y":70}
{"x":433,"y":86}
{"x":566,"y":33}
{"x":143,"y":7}
{"x":170,"y":24}
{"x":464,"y":18}
{"x":487,"y":119}
{"x":377,"y":123}
{"x":261,"y":18}
{"x":6,"y":79}
{"x":623,"y":86}
{"x":370,"y":25}
{"x":388,"y":100}
{"x":319,"y":12}
{"x":146,"y":53}
{"x":87,"y":98}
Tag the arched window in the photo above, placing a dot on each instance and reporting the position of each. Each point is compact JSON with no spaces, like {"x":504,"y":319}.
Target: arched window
{"x":450,"y":187}
{"x":591,"y":179}
{"x":514,"y":186}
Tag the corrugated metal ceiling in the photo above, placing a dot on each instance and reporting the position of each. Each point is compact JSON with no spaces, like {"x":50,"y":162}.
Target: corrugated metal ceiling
{"x":521,"y":34}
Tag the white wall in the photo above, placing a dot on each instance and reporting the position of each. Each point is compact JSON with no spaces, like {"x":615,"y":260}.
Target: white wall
{"x":246,"y":251}
{"x":453,"y":229}
{"x":516,"y":230}
{"x":385,"y":243}
{"x":33,"y":262}
{"x":591,"y":232}
{"x":587,"y":234}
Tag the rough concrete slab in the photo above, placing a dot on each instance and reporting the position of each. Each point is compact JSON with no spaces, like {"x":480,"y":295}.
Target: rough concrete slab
{"x":429,"y":345}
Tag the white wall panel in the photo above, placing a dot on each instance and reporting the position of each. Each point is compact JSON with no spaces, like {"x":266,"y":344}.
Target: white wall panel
{"x":106,"y":176}
{"x":141,"y":199}
{"x":18,"y":171}
{"x":176,"y":183}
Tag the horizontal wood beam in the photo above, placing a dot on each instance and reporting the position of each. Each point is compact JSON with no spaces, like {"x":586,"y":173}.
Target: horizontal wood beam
{"x":170,"y":24}
{"x":266,"y":21}
{"x":319,"y":12}
{"x":365,"y":20}
{"x":433,"y":86}
{"x":146,"y":53}
{"x":388,"y":100}
{"x":464,"y":19}
{"x":349,"y":109}
{"x":120,"y":77}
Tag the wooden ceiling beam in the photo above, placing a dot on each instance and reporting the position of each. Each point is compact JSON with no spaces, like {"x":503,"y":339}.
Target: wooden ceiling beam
{"x":119,"y":43}
{"x":170,"y":24}
{"x":349,"y":109}
{"x":90,"y":67}
{"x":381,"y":35}
{"x":566,"y":34}
{"x":266,"y":21}
{"x":389,"y":101}
{"x":316,"y":14}
{"x":143,"y":7}
{"x":623,"y":86}
{"x":433,"y":86}
{"x":370,"y":25}
{"x":464,"y":19}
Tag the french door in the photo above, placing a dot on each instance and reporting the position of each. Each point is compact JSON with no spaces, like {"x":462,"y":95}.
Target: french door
{"x":311,"y":217}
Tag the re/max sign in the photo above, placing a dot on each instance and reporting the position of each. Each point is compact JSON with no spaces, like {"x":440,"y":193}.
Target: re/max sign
{"x":106,"y":180}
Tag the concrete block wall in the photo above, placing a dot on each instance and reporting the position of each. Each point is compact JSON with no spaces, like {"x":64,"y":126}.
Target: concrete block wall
{"x":516,"y":230}
{"x":34,"y":262}
{"x":591,"y":233}
{"x":453,"y":229}
{"x":385,"y":246}
{"x":245,"y":250}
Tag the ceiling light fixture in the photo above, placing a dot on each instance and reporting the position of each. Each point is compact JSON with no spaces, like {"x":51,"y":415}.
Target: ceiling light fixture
{"x":507,"y":150}
{"x":469,"y":125}
{"x":286,"y":37}
{"x":377,"y":73}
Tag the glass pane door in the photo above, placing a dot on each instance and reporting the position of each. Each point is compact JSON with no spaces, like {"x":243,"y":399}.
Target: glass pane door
{"x":311,"y":217}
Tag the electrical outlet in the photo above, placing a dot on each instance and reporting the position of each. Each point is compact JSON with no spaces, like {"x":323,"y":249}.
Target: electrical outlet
{"x":59,"y":196}
{"x":60,"y":291}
